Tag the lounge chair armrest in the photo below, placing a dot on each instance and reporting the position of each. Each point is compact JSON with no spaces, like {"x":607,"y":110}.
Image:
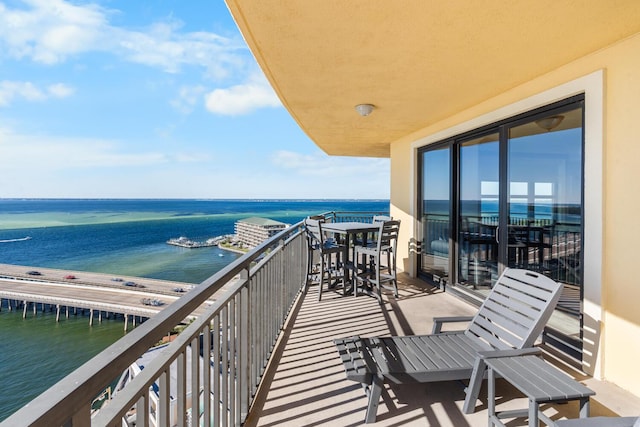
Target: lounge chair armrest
{"x":439,"y":321}
{"x":492,"y":354}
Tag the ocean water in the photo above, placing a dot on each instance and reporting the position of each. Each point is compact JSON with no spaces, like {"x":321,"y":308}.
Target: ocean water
{"x":119,"y":237}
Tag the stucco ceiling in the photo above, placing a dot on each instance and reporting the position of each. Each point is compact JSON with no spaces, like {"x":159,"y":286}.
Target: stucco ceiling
{"x":417,"y":61}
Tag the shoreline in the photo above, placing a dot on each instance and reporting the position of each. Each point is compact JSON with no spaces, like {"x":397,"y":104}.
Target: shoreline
{"x":237,"y":251}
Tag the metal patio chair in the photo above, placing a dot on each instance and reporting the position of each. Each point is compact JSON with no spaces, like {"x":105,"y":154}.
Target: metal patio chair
{"x":371,"y":271}
{"x":329,"y":251}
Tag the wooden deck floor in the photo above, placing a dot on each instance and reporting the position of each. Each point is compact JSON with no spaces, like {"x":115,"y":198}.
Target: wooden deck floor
{"x":308,"y":387}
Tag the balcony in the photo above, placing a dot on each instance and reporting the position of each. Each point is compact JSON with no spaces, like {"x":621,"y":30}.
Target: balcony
{"x":308,"y":385}
{"x":272,"y":360}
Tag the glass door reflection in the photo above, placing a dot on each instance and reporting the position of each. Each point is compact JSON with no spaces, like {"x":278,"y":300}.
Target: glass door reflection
{"x":545,"y":211}
{"x":436,"y":208}
{"x":478,"y":206}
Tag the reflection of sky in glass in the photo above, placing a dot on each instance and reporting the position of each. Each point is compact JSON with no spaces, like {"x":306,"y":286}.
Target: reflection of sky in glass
{"x":436,"y":174}
{"x":478,"y":164}
{"x":544,"y":169}
{"x":551,"y":161}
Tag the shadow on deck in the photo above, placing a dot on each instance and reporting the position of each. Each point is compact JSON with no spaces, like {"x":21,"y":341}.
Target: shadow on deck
{"x":308,"y":387}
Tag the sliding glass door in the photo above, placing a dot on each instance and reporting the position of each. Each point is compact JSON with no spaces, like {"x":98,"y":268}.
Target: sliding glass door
{"x":545,"y":212}
{"x":436,"y":214}
{"x":509,"y":195}
{"x":478,"y":203}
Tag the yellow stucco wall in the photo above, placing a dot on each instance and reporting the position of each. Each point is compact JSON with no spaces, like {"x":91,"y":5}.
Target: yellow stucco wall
{"x":619,"y":350}
{"x":402,"y":201}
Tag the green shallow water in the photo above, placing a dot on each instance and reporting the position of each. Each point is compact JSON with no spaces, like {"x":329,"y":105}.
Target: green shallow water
{"x":36,"y":352}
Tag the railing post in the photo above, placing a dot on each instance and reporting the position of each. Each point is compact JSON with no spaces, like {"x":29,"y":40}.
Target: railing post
{"x":282,"y":284}
{"x":206,"y":378}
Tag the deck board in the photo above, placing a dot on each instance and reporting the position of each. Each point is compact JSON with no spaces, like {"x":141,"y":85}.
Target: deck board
{"x":309,"y":385}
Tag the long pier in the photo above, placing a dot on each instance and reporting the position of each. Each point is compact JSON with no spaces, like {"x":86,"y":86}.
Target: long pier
{"x":100,"y":294}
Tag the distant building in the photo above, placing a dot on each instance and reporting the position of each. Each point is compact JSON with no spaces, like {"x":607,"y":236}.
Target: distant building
{"x":253,"y":231}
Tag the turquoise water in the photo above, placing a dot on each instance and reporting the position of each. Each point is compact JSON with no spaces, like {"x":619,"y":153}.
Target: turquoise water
{"x":119,"y":237}
{"x":36,"y":352}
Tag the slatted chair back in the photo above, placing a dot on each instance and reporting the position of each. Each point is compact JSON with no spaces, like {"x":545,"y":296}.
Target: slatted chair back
{"x":381,"y":218}
{"x":317,"y":236}
{"x":388,"y":235}
{"x":516,"y":310}
{"x":314,"y":234}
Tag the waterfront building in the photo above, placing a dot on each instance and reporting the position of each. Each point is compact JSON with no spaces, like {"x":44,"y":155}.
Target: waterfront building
{"x":255,"y":230}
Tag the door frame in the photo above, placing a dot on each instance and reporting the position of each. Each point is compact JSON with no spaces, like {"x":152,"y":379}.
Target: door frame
{"x":592,"y":87}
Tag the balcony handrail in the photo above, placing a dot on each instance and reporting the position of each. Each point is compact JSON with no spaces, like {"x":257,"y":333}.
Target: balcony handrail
{"x":356,"y":216}
{"x":68,"y":402}
{"x":248,"y":319}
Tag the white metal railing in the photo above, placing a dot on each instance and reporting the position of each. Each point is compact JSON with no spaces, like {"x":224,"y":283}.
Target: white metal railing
{"x":240,"y":330}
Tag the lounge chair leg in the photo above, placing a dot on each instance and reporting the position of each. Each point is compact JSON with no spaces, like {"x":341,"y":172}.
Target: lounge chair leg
{"x":473,"y":389}
{"x":533,"y":414}
{"x":375,"y":390}
{"x":584,"y":407}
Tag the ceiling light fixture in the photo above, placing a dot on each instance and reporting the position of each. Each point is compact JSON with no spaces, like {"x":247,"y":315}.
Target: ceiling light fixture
{"x":365,"y":109}
{"x":550,"y":122}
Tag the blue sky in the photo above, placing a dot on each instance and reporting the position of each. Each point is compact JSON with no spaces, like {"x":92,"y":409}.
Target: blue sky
{"x":151,"y":99}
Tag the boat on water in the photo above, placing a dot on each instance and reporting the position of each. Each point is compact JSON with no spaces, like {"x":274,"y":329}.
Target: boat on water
{"x":185,"y":242}
{"x":22,"y":239}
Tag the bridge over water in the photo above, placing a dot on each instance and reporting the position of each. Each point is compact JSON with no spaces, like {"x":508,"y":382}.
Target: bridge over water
{"x":23,"y":287}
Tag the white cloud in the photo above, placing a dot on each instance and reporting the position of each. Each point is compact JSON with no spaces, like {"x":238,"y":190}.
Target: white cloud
{"x":46,"y":153}
{"x":323,"y":165}
{"x":46,"y":166}
{"x":10,"y":90}
{"x":188,"y":98}
{"x":192,"y":158}
{"x":242,"y":99}
{"x":56,"y":153}
{"x":165,"y":47}
{"x":321,"y":176}
{"x":50,"y":166}
{"x":50,"y":31}
{"x":60,"y":90}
